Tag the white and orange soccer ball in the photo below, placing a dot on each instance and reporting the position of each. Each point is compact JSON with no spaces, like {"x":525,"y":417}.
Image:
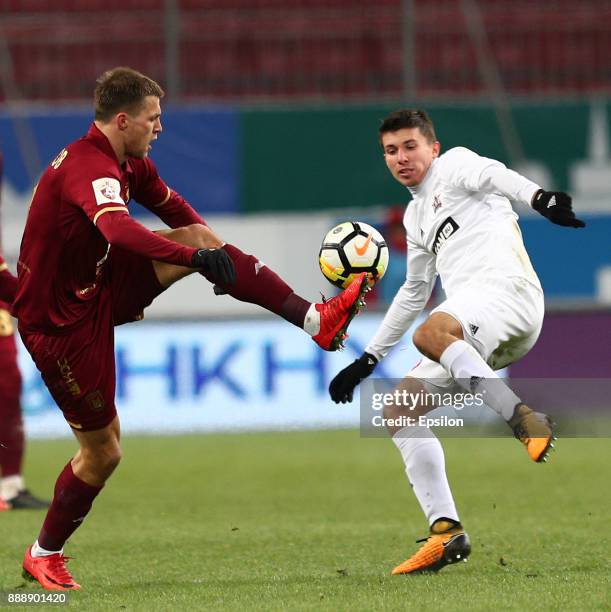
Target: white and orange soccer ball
{"x":351,"y":248}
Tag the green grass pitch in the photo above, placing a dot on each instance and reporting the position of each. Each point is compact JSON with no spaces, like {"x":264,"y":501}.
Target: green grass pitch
{"x":316,"y":520}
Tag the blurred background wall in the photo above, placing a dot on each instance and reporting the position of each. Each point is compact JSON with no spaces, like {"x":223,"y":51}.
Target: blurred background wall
{"x":270,"y":130}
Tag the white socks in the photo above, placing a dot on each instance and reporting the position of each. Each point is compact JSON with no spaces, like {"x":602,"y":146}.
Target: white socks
{"x":425,"y":469}
{"x":311,"y":323}
{"x":10,"y":486}
{"x":38,"y":551}
{"x":472,"y":373}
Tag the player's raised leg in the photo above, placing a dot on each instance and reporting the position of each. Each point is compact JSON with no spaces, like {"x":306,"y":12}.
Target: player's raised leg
{"x":440,"y":338}
{"x":256,"y":283}
{"x":78,"y":485}
{"x":424,"y":461}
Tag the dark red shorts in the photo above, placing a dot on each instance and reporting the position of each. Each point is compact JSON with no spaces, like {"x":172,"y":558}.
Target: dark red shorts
{"x":79,"y":368}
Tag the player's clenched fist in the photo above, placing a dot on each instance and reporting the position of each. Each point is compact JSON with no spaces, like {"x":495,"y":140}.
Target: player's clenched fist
{"x":557,"y":207}
{"x":342,"y":386}
{"x":215,"y":262}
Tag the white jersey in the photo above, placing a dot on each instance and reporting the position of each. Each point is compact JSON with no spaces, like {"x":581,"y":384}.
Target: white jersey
{"x":460,"y":225}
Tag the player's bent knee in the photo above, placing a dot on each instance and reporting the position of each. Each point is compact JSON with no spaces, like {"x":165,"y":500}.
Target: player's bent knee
{"x":201,"y":236}
{"x":101,"y":460}
{"x":422,"y":337}
{"x":196,"y":235}
{"x":391,"y":412}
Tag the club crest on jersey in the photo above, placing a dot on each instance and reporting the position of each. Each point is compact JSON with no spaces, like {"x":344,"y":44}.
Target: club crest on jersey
{"x":107,"y":190}
{"x":446,"y":229}
{"x":436,"y":203}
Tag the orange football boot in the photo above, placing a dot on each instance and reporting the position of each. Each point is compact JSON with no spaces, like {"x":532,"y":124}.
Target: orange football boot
{"x":4,"y":505}
{"x":50,"y":572}
{"x":440,"y":549}
{"x":534,"y":430}
{"x":337,"y":313}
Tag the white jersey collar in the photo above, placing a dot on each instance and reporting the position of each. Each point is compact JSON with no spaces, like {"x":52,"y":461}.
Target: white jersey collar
{"x":427,"y":179}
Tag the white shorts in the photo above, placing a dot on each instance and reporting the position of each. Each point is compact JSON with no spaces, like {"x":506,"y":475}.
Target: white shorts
{"x":501,"y":320}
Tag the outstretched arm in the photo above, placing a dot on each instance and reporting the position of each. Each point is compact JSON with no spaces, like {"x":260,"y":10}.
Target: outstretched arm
{"x":553,"y":205}
{"x":120,"y":229}
{"x":405,"y":308}
{"x":476,"y":173}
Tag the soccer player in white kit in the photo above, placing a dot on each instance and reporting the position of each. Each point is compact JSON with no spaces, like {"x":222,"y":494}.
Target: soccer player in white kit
{"x":460,"y":226}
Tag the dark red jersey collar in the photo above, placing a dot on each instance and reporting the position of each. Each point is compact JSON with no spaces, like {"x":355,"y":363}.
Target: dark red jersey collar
{"x":98,"y":138}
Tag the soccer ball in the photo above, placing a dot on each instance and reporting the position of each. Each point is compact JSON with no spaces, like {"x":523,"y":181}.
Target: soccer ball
{"x":351,"y":248}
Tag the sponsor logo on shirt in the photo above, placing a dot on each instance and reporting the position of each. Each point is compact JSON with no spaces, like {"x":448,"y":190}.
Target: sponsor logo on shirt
{"x":436,"y":203}
{"x":446,"y":229}
{"x":107,"y":190}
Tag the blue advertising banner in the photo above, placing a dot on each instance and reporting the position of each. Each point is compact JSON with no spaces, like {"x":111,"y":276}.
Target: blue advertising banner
{"x":196,"y":153}
{"x":215,"y":376}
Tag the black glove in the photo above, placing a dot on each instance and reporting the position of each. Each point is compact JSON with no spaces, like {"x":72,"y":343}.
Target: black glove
{"x":215,"y":262}
{"x":342,"y":386}
{"x":556,"y":206}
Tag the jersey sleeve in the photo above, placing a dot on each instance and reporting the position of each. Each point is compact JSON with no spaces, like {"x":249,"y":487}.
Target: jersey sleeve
{"x":123,"y":231}
{"x":464,"y":168}
{"x":409,"y":300}
{"x":97,"y":191}
{"x":405,"y":308}
{"x":152,"y":192}
{"x":420,"y":263}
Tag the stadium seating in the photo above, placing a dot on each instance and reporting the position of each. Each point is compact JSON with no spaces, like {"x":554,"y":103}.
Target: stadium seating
{"x":309,"y":49}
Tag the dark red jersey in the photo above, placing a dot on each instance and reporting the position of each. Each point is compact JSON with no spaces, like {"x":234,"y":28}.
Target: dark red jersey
{"x":68,"y":233}
{"x":8,"y":349}
{"x":8,"y":283}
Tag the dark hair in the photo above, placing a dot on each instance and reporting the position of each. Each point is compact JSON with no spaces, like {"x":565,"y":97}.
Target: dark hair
{"x":409,"y":118}
{"x":122,"y":89}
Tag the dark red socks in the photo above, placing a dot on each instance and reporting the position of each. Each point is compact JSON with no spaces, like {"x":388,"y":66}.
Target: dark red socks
{"x":11,"y":431}
{"x":71,"y":503}
{"x":257,"y":284}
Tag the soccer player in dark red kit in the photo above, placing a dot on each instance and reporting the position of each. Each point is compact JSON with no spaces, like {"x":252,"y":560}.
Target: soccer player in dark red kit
{"x":85,"y":266}
{"x":13,"y":493}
